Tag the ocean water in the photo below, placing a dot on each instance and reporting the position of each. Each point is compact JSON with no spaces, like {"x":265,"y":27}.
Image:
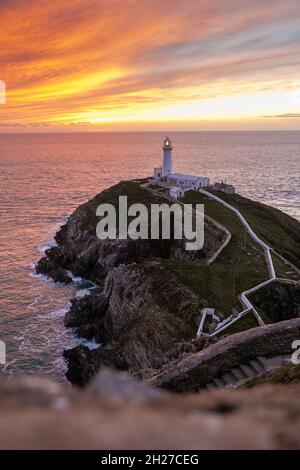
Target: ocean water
{"x":44,"y":177}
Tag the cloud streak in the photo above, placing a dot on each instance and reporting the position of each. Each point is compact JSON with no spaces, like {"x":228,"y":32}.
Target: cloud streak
{"x":287,"y":115}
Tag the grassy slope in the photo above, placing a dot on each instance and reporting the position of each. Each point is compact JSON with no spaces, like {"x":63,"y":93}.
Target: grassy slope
{"x":278,"y":229}
{"x":133,"y":191}
{"x":243,"y":324}
{"x":240,"y":265}
{"x":282,"y":269}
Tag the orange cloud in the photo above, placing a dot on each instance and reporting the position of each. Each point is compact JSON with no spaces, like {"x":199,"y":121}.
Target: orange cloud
{"x":106,"y":61}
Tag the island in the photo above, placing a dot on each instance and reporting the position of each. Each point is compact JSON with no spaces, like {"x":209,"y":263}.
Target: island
{"x":180,"y":320}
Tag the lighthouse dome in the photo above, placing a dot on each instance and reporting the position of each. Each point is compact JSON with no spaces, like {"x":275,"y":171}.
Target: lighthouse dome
{"x":167,"y":143}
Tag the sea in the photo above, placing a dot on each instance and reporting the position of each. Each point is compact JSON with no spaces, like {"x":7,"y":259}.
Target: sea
{"x":44,"y":177}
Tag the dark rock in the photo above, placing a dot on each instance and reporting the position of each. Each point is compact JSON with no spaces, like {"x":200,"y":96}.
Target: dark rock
{"x":86,"y":310}
{"x":80,"y":364}
{"x":279,"y":301}
{"x":49,"y":268}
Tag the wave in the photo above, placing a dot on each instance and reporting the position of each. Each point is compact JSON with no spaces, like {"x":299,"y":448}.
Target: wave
{"x":43,"y":277}
{"x":89,"y":343}
{"x":46,"y":246}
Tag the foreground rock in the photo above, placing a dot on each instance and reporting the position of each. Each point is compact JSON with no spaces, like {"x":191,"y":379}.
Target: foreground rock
{"x":115,"y":412}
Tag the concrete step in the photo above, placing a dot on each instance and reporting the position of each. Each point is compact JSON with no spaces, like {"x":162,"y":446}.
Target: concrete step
{"x":270,"y":362}
{"x":229,"y":378}
{"x":239,"y":374}
{"x":261,"y":360}
{"x":248,"y":370}
{"x":220,"y":383}
{"x":257,"y":366}
{"x":275,"y":361}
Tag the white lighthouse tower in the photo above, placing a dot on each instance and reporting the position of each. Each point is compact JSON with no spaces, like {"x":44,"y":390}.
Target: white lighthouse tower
{"x":167,"y":161}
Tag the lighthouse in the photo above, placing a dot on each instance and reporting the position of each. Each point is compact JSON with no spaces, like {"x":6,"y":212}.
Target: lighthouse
{"x":167,"y":161}
{"x":177,"y":183}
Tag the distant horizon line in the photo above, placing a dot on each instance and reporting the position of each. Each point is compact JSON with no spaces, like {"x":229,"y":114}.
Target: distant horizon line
{"x":145,"y":132}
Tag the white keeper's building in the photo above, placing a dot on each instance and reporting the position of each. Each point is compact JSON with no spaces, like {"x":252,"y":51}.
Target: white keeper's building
{"x":188,"y":181}
{"x":176,"y":192}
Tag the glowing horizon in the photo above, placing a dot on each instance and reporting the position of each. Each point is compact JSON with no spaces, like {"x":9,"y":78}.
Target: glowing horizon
{"x":102,"y":65}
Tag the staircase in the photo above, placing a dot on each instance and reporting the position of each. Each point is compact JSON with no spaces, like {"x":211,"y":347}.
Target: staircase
{"x":244,"y":372}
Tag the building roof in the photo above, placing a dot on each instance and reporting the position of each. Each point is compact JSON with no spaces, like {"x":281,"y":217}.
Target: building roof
{"x":184,"y":177}
{"x":175,"y":189}
{"x":223,"y":185}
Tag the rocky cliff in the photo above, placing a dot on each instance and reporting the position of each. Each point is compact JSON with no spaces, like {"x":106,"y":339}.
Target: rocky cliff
{"x":145,"y":315}
{"x":143,"y":318}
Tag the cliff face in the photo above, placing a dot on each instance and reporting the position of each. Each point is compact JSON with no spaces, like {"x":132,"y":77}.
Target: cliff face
{"x":145,"y":315}
{"x":143,"y":318}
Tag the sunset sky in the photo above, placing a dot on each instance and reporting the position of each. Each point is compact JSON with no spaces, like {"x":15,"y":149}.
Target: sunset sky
{"x":150,"y":65}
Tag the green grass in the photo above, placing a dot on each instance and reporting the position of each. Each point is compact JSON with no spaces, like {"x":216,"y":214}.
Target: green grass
{"x":215,"y":210}
{"x":265,"y":318}
{"x":283,"y":375}
{"x":276,"y":228}
{"x":283,"y":270}
{"x":240,"y":266}
{"x":132,"y":189}
{"x":245,"y":323}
